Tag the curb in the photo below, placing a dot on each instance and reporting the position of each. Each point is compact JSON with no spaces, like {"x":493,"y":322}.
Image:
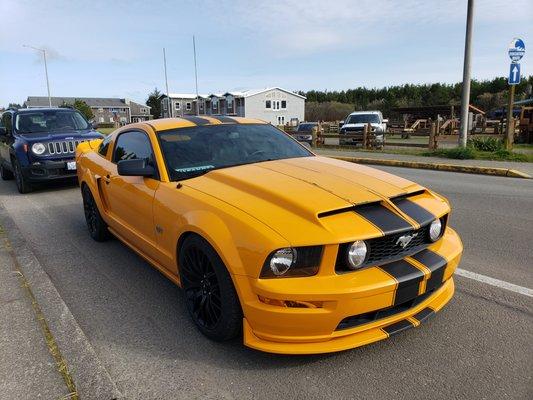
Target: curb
{"x":90,"y":376}
{"x":468,"y":169}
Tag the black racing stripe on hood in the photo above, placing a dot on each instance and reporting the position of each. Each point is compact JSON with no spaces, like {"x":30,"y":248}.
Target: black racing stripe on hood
{"x":385,"y":219}
{"x":436,"y":264}
{"x":413,"y":210}
{"x":224,"y":119}
{"x":197,"y":120}
{"x":408,"y":278}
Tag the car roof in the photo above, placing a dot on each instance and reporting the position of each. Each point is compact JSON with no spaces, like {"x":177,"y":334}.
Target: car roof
{"x":203,"y":120}
{"x":365,"y":112}
{"x":24,"y":110}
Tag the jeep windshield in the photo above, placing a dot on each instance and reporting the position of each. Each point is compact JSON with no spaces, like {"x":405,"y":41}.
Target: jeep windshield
{"x":50,"y":121}
{"x":191,"y":152}
{"x":363,"y":119}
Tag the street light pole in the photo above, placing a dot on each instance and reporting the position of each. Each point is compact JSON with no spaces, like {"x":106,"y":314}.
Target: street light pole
{"x":465,"y":94}
{"x":195,"y":74}
{"x":166,"y":84}
{"x":45,"y":71}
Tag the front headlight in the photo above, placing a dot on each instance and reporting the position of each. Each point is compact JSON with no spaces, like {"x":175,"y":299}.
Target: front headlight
{"x":357,"y":254}
{"x":292,"y":262}
{"x":435,"y":230}
{"x":38,"y":148}
{"x":282,"y":260}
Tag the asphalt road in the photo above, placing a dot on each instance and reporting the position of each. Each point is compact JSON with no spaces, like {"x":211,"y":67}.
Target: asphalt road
{"x":478,"y":347}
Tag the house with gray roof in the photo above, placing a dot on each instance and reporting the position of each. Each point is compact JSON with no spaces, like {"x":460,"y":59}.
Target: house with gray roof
{"x":105,"y":110}
{"x":275,"y":105}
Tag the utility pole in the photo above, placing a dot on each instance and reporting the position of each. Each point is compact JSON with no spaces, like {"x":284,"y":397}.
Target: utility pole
{"x":166,"y":84}
{"x":45,"y":71}
{"x":195,"y":75}
{"x":465,"y":94}
{"x":509,"y":138}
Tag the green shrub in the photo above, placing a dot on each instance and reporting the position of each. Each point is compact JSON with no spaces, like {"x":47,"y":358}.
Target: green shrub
{"x":503,"y":154}
{"x":486,"y":144}
{"x":458,"y":153}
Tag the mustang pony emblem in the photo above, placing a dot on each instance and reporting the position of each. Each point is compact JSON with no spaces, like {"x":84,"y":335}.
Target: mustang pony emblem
{"x":404,"y":240}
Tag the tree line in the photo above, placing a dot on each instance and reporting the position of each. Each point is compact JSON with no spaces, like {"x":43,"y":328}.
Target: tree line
{"x":486,"y":95}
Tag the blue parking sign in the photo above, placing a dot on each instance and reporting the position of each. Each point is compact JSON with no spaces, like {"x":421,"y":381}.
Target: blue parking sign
{"x":514,"y":74}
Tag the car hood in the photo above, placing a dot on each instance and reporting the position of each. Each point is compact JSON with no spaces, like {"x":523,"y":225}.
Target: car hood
{"x":360,"y":125}
{"x":63,"y":135}
{"x":292,"y":195}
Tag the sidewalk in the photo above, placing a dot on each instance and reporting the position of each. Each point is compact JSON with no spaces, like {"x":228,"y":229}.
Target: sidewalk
{"x":524,"y":167}
{"x":27,"y":368}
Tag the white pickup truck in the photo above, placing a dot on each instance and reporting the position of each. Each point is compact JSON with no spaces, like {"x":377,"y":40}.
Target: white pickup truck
{"x":355,"y":124}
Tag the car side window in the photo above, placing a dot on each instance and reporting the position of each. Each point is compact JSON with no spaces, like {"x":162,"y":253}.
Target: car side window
{"x":132,"y":145}
{"x":104,"y":146}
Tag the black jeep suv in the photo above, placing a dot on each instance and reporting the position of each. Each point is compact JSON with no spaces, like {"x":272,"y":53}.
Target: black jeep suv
{"x":38,"y":144}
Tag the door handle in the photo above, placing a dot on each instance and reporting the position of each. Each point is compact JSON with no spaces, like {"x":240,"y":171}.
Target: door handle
{"x":107,"y":179}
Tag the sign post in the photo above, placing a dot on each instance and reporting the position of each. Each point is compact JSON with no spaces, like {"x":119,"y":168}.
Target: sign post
{"x":517,"y":49}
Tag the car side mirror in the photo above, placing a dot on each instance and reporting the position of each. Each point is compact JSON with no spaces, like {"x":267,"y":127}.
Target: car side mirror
{"x":135,"y":167}
{"x":94,"y":125}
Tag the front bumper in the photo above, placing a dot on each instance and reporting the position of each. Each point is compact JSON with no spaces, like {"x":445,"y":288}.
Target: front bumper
{"x":394,"y":304}
{"x":45,"y":170}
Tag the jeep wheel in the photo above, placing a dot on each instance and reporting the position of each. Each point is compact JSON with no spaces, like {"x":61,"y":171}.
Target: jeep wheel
{"x":5,"y":174}
{"x":209,"y":292}
{"x":96,"y":225}
{"x":23,"y":185}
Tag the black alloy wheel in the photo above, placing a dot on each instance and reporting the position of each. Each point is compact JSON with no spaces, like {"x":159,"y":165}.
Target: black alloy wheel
{"x":209,"y":292}
{"x":22,"y":184}
{"x":96,"y":225}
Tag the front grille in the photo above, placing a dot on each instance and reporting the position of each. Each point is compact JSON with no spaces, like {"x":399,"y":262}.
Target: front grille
{"x":63,"y":147}
{"x":386,"y":248}
{"x":361,"y":319}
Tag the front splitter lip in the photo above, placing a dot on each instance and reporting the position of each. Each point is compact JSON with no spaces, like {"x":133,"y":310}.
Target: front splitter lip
{"x":356,"y":337}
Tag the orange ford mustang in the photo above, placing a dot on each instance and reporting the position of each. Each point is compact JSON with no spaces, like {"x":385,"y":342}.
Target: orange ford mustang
{"x":299,"y":253}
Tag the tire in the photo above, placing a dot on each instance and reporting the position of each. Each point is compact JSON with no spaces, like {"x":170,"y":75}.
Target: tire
{"x":95,"y":224}
{"x":210,"y":296}
{"x":23,"y":185}
{"x":5,"y":174}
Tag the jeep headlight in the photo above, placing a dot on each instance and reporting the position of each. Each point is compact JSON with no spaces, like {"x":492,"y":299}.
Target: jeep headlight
{"x":357,"y":254}
{"x":435,"y":230}
{"x":38,"y":148}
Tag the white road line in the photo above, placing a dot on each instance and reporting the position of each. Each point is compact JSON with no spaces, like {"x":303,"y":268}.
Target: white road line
{"x":495,"y":282}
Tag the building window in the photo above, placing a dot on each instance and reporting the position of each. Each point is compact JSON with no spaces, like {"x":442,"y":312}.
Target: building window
{"x":122,"y":119}
{"x":201,"y":105}
{"x":101,"y":119}
{"x":177,"y":106}
{"x":268,"y":104}
{"x":111,"y":119}
{"x":143,"y":110}
{"x":283,"y":104}
{"x":215,"y":104}
{"x":188,"y":106}
{"x":100,"y":110}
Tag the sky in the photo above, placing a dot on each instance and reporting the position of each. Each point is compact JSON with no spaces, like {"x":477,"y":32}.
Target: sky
{"x":114,"y":48}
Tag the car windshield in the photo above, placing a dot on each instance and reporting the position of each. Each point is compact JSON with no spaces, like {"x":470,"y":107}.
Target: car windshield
{"x":363,"y":119}
{"x":191,"y":152}
{"x":305,"y":127}
{"x":50,"y":121}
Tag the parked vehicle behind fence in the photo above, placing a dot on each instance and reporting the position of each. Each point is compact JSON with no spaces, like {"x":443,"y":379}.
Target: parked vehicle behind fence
{"x":355,"y":123}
